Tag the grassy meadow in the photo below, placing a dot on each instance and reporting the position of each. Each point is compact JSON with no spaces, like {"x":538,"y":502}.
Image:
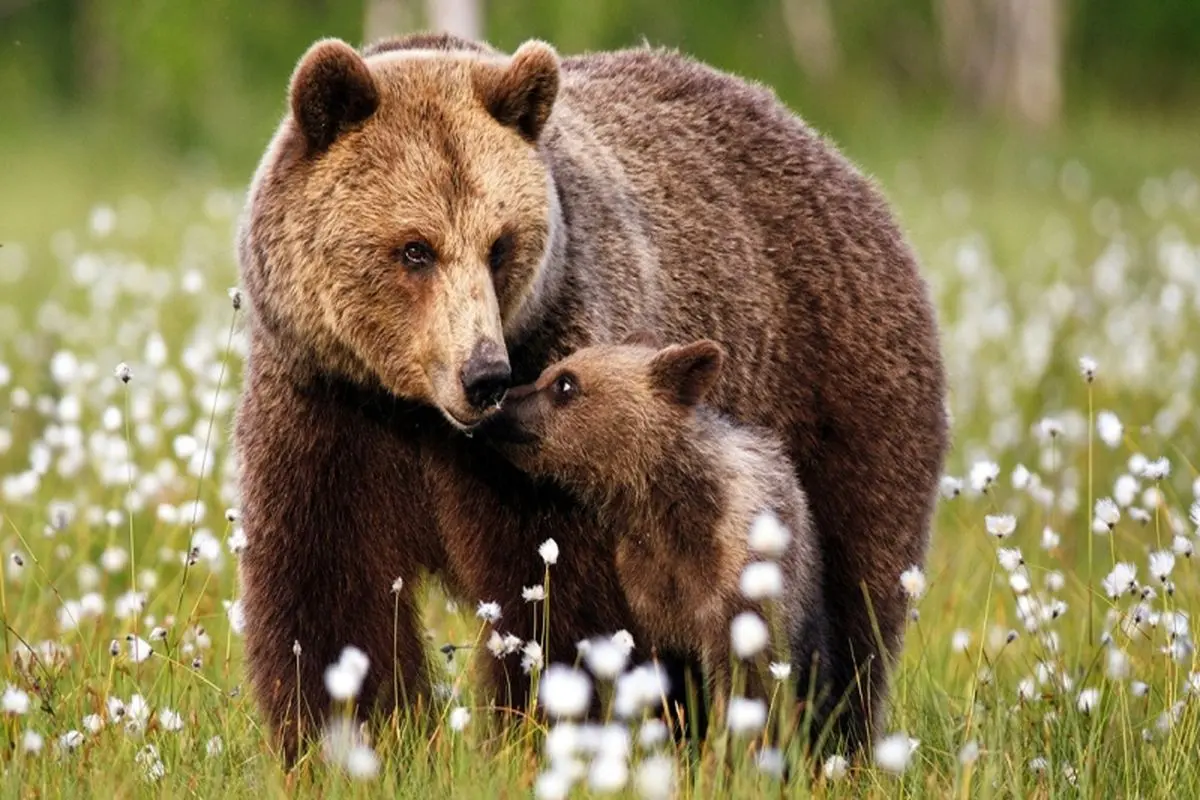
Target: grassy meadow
{"x":1048,"y":672}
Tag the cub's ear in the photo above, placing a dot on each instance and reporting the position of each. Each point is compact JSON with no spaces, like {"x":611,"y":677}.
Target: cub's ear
{"x":332,"y":90}
{"x":521,"y":94}
{"x":642,"y":338}
{"x":687,"y":372}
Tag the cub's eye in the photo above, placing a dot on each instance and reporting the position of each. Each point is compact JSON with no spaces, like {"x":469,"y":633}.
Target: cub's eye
{"x":565,"y":387}
{"x":500,"y":252}
{"x":415,"y":255}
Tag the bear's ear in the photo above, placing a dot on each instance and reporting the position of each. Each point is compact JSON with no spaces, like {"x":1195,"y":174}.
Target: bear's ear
{"x":687,"y":372}
{"x":642,"y":338}
{"x":521,"y":94}
{"x":332,"y":90}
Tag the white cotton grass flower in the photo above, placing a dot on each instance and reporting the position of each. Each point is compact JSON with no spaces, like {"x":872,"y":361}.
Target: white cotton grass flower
{"x":770,"y":761}
{"x":912,"y":581}
{"x":1194,"y":512}
{"x":960,"y":641}
{"x":237,"y":617}
{"x":94,"y":723}
{"x":1157,"y":470}
{"x":459,"y":718}
{"x":639,"y":689}
{"x":531,"y":657}
{"x":1054,"y":581}
{"x":762,"y":580}
{"x":1021,"y":477}
{"x":488,"y":611}
{"x":235,"y":297}
{"x":565,"y":691}
{"x":1139,"y":688}
{"x":1088,"y":700}
{"x":950,"y":486}
{"x":343,"y":746}
{"x":748,"y":634}
{"x":1182,"y":546}
{"x":1038,"y":765}
{"x":1122,"y":579}
{"x":552,"y":785}
{"x":781,"y":670}
{"x":605,"y":658}
{"x":1162,"y":562}
{"x":1116,"y":664}
{"x":548,"y":550}
{"x":893,"y":753}
{"x":123,"y":372}
{"x":983,"y":475}
{"x":1108,"y":514}
{"x":1050,"y":428}
{"x":170,"y":720}
{"x":1087,"y":368}
{"x":139,"y":648}
{"x":1109,"y":428}
{"x":533,"y":594}
{"x":768,"y":538}
{"x":655,"y":779}
{"x":1019,"y":582}
{"x":1010,"y":558}
{"x":1027,"y":690}
{"x":745,"y":716}
{"x":1000,"y":526}
{"x":344,"y":678}
{"x":15,"y":701}
{"x":835,"y":768}
{"x":152,"y":766}
{"x":32,"y":742}
{"x":624,"y":640}
{"x":652,"y":733}
{"x":1050,"y":539}
{"x":214,"y":747}
{"x":968,"y":754}
{"x":70,"y":740}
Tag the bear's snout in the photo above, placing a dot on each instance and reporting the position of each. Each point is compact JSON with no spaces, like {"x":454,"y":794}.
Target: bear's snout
{"x":486,"y":376}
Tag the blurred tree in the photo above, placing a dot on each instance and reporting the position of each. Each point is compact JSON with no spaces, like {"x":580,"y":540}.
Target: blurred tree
{"x":387,"y":18}
{"x":459,"y":17}
{"x":812,"y":37}
{"x":1005,"y":56}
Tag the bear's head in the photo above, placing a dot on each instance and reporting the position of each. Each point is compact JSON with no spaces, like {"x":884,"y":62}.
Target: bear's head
{"x":604,"y":416}
{"x":398,"y":226}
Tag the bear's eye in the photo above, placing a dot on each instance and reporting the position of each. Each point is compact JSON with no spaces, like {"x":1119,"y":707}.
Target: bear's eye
{"x":499,"y":252}
{"x":565,"y":387}
{"x":415,"y":255}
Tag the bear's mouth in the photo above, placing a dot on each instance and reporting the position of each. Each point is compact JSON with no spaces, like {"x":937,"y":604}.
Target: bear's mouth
{"x":504,"y":429}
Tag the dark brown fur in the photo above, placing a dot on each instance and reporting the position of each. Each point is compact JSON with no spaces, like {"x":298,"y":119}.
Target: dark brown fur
{"x":680,"y":488}
{"x":660,"y":195}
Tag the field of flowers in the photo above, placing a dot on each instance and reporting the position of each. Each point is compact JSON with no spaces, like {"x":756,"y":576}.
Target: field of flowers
{"x":1050,"y":648}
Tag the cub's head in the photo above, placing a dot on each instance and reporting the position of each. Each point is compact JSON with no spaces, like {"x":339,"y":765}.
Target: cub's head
{"x":602,"y":417}
{"x":398,"y":224}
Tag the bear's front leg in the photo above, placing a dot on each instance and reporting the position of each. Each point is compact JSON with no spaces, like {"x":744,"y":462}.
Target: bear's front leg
{"x":330,"y":513}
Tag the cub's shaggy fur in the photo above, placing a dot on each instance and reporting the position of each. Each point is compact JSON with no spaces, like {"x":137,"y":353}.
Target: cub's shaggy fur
{"x":435,"y":219}
{"x":679,"y":487}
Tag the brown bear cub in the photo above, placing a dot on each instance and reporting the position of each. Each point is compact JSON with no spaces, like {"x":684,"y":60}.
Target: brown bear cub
{"x":680,"y":486}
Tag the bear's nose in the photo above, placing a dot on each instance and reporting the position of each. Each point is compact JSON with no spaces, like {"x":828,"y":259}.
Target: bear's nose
{"x":486,"y":375}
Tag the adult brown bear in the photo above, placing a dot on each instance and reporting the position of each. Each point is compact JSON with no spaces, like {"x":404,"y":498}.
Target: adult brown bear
{"x":435,"y":220}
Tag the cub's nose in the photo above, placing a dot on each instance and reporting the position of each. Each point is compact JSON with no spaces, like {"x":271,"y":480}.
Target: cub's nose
{"x":486,"y":376}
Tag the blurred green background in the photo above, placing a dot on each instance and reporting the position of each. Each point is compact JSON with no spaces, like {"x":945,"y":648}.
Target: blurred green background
{"x":104,"y":96}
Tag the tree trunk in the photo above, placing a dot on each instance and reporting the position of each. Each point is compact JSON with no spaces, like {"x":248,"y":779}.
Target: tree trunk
{"x":383,"y":18}
{"x":459,"y":17}
{"x":1005,"y":56}
{"x":812,"y":37}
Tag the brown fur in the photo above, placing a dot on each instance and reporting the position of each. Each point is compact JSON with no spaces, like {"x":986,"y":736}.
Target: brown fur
{"x":660,"y":195}
{"x":680,"y":487}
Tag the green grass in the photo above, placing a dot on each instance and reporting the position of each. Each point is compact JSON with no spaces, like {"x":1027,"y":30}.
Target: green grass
{"x":1016,"y":254}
